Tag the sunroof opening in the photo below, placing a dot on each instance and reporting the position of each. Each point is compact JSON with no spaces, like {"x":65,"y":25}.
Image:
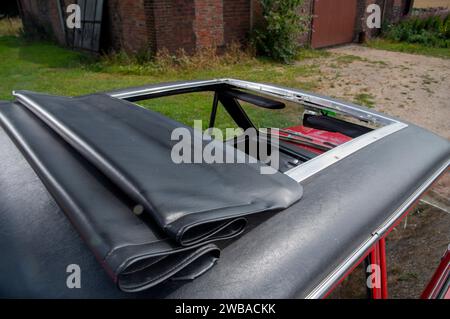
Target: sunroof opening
{"x":308,"y":128}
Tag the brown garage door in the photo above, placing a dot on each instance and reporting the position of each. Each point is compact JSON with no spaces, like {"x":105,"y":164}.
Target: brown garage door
{"x":333,"y":22}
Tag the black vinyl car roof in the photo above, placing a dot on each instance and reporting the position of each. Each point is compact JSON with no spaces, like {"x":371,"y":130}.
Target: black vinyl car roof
{"x":279,"y":255}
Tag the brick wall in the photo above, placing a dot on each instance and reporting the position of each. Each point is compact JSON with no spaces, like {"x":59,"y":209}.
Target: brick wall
{"x":236,"y":18}
{"x":178,"y":24}
{"x":138,"y":25}
{"x":395,"y":10}
{"x":209,"y":23}
{"x":432,"y":12}
{"x":173,"y":25}
{"x":126,"y":25}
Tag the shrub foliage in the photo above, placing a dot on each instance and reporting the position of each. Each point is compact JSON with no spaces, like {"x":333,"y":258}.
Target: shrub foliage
{"x":433,"y":31}
{"x":278,"y":36}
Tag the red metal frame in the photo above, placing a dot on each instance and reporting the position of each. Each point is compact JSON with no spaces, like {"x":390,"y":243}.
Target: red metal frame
{"x":436,"y":284}
{"x":383,"y":268}
{"x":375,"y":260}
{"x":378,"y":257}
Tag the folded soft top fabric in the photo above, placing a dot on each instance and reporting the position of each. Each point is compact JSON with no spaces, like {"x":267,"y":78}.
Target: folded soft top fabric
{"x":100,"y":156}
{"x":132,"y":147}
{"x":133,"y":250}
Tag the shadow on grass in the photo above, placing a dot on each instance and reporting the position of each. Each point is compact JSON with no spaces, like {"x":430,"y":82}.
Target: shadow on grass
{"x":45,"y":54}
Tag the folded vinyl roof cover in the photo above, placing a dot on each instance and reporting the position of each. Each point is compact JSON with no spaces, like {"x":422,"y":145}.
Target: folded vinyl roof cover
{"x":192,"y":203}
{"x":134,"y":251}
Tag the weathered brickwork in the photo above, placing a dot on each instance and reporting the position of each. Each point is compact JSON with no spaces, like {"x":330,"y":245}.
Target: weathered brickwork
{"x":236,"y":18}
{"x":142,"y":25}
{"x":126,"y":23}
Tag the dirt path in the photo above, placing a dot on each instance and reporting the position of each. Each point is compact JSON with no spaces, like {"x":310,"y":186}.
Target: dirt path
{"x":416,"y":89}
{"x":411,"y":87}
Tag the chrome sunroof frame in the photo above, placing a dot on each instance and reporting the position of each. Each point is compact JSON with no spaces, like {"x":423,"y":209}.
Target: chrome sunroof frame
{"x":307,"y":100}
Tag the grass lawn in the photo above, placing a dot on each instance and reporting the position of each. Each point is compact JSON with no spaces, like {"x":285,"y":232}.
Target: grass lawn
{"x":413,"y":48}
{"x":45,"y":67}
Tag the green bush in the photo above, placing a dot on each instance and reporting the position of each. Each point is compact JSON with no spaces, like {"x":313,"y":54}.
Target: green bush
{"x":278,"y":36}
{"x":432,"y":31}
{"x":445,"y":28}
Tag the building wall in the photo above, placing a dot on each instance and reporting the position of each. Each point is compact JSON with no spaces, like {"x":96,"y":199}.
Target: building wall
{"x":392,"y":11}
{"x":236,"y":18}
{"x":126,"y":25}
{"x":172,"y":25}
{"x":362,"y":32}
{"x":306,"y":9}
{"x":178,"y":24}
{"x":41,"y":19}
{"x":209,"y":23}
{"x":142,"y":25}
{"x":137,"y":25}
